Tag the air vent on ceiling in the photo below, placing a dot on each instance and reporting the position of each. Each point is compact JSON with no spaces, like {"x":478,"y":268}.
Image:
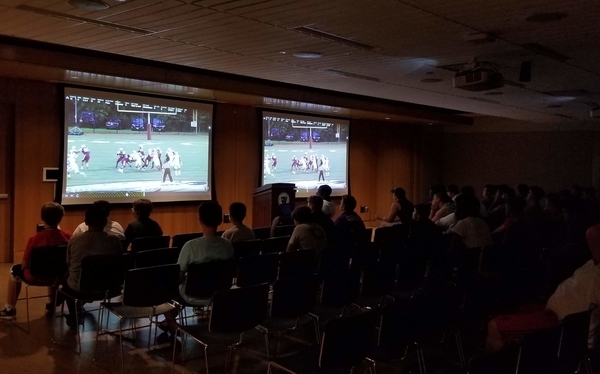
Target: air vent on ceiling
{"x":352,"y":75}
{"x":483,"y":100}
{"x":51,"y":13}
{"x":334,"y":38}
{"x":545,"y":51}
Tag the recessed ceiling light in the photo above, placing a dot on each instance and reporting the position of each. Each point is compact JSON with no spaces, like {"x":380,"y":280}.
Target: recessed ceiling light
{"x":430,"y":80}
{"x":494,"y":93}
{"x":546,"y":17}
{"x":74,"y":77}
{"x":190,"y":92}
{"x":282,"y":52}
{"x":430,"y":123}
{"x":89,"y":4}
{"x":387,"y":117}
{"x":307,"y":54}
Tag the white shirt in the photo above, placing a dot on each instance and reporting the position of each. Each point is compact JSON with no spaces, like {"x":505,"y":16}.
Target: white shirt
{"x":112,"y":227}
{"x":474,"y":232}
{"x":328,"y":208}
{"x":446,"y":223}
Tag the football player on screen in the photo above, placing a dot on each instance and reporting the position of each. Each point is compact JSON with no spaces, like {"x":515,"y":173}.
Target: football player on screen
{"x":85,"y":161}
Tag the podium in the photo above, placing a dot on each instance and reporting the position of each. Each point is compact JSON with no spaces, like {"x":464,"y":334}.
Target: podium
{"x":266,"y":201}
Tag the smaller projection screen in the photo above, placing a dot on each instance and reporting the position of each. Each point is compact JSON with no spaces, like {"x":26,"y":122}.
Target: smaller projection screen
{"x":121,"y":147}
{"x":306,"y":150}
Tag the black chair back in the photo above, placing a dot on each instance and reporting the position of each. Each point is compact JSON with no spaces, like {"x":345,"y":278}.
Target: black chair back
{"x":262,"y":232}
{"x":379,"y":279}
{"x":297,"y":263}
{"x":48,"y":262}
{"x":257,"y":269}
{"x":157,"y":257}
{"x":180,"y":239}
{"x":340,"y":288}
{"x":574,"y":339}
{"x":390,"y":234}
{"x":206,"y":278}
{"x":283,"y":230}
{"x":275,"y":245}
{"x":150,"y":242}
{"x":101,"y":273}
{"x":347,"y":340}
{"x":332,"y":259}
{"x":538,"y":352}
{"x":247,"y":248}
{"x":294,"y":297}
{"x":127,"y":262}
{"x":147,"y":287}
{"x":239,"y":309}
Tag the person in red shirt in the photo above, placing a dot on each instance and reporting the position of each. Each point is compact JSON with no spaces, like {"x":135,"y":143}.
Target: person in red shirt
{"x":52,"y":214}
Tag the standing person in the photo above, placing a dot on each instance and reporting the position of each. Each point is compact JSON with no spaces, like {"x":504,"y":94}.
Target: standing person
{"x":207,"y":248}
{"x":112,"y":227}
{"x":306,"y":234}
{"x":239,"y":231}
{"x":274,"y":159}
{"x":85,"y":161}
{"x":120,"y":157}
{"x":52,"y":214}
{"x":325,"y":192}
{"x":401,"y":210}
{"x":94,"y":241}
{"x":143,"y":225}
{"x":166,"y":168}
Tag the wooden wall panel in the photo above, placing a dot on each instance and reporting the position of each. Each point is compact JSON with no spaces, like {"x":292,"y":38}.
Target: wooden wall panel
{"x":552,"y":160}
{"x":7,"y":125}
{"x":382,"y":155}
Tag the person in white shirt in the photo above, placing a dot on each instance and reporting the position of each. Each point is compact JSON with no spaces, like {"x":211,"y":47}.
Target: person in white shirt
{"x":111,"y":227}
{"x":328,"y":206}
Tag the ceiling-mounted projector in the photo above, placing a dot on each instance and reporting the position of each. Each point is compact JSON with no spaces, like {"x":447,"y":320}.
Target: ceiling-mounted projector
{"x":479,"y":76}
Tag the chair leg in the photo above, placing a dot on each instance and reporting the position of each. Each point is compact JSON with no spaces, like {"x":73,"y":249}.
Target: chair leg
{"x":317,"y":332}
{"x":266,"y":332}
{"x":27,"y":306}
{"x":421,"y":359}
{"x":121,"y":344}
{"x":174,"y":351}
{"x":206,"y":358}
{"x":77,"y":323}
{"x":372,"y":366}
{"x":461,"y":353}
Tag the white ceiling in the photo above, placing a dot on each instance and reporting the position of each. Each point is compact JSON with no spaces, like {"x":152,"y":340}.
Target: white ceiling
{"x":387,"y":47}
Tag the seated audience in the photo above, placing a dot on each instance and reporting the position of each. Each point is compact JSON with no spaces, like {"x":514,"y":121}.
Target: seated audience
{"x":534,"y":209}
{"x":424,"y":232}
{"x":469,"y":190}
{"x":349,"y":220}
{"x":51,"y":214}
{"x":488,"y":193}
{"x":574,"y":295}
{"x":315,"y":203}
{"x":401,"y":210}
{"x":307,"y":234}
{"x":522,"y":190}
{"x":95,"y":241}
{"x":441,"y":206}
{"x":143,"y":226}
{"x":470,"y":230}
{"x":328,"y":206}
{"x":209,"y":247}
{"x":239,"y":231}
{"x":112,"y":227}
{"x":452,"y":191}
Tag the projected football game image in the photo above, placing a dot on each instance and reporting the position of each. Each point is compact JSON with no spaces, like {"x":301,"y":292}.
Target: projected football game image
{"x":120,"y":147}
{"x":306,"y":150}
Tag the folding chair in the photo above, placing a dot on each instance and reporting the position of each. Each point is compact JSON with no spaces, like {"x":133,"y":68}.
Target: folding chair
{"x":247,"y":248}
{"x":345,"y":344}
{"x":292,"y":298}
{"x":101,"y":279}
{"x":257,"y":269}
{"x":275,"y":245}
{"x":157,"y":257}
{"x":150,"y":242}
{"x":297,"y":263}
{"x":232,"y":313}
{"x":48,"y":263}
{"x":147,"y":293}
{"x":180,"y":239}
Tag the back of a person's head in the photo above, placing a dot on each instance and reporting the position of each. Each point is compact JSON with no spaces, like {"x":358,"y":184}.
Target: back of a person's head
{"x":399,"y":193}
{"x":589,"y":192}
{"x":466,"y":206}
{"x":324,"y":191}
{"x":490,"y":189}
{"x":210,"y":214}
{"x":316,"y":202}
{"x":104,"y":205}
{"x":95,"y":217}
{"x":143,"y":207}
{"x":452,"y":189}
{"x":467,"y":190}
{"x":523,"y":190}
{"x":237,"y":211}
{"x":349,"y":203}
{"x":565,"y":194}
{"x":302,"y":214}
{"x":554,"y":200}
{"x":503,"y":188}
{"x":444,"y":198}
{"x":52,"y":213}
{"x":593,"y":239}
{"x":510,"y":193}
